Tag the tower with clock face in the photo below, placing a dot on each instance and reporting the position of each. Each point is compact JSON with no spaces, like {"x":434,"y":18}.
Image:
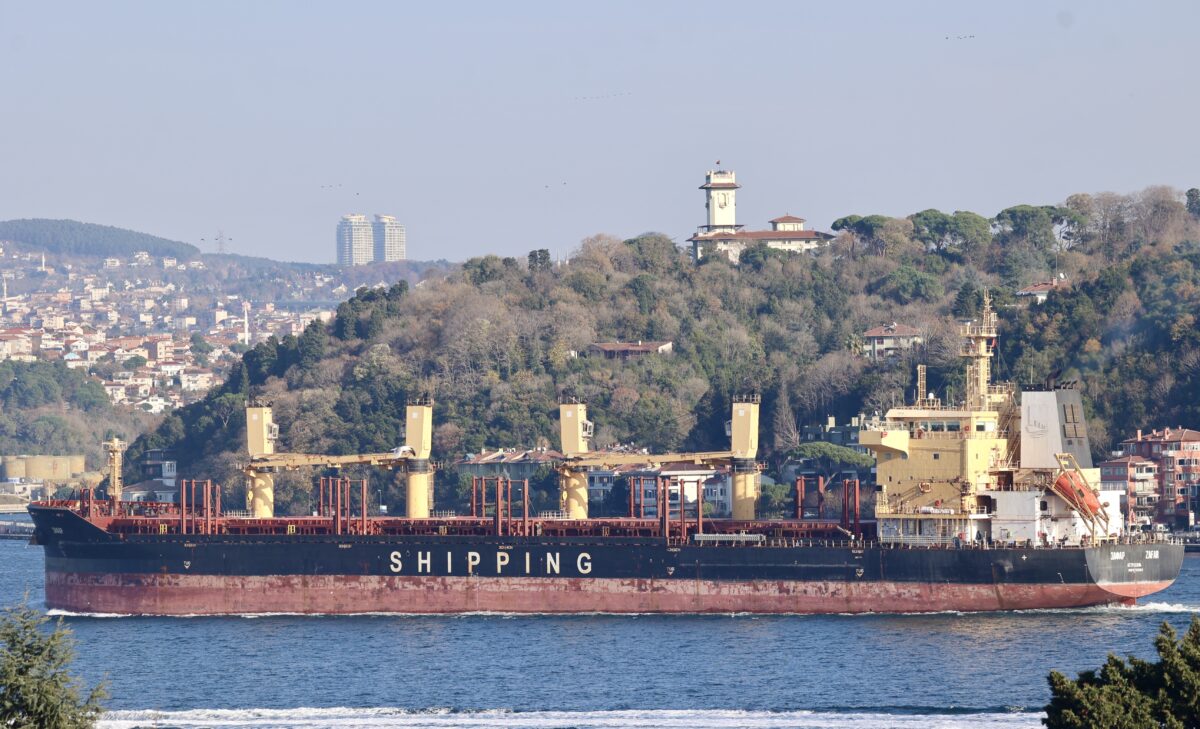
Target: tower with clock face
{"x":721,"y":187}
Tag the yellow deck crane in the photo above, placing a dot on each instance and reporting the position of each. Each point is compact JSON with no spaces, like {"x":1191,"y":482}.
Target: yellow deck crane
{"x":262,"y":432}
{"x":576,"y":433}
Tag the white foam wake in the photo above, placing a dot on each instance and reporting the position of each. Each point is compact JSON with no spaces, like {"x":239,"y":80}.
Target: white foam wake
{"x":348,"y":718}
{"x":1117,"y":609}
{"x":56,"y":613}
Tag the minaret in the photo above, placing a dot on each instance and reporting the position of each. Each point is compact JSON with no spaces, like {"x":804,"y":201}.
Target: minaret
{"x":246,"y":323}
{"x":720,"y":189}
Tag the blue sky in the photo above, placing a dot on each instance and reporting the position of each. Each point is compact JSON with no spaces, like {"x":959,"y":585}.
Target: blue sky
{"x":499,"y":128}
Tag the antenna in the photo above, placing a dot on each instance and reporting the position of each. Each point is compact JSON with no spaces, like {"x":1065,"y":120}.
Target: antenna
{"x":221,"y":242}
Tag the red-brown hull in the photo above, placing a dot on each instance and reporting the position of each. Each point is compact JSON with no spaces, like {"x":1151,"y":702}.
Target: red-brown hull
{"x":329,"y":594}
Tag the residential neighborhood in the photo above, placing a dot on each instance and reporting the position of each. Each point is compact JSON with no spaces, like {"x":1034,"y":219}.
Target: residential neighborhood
{"x":136,"y":326}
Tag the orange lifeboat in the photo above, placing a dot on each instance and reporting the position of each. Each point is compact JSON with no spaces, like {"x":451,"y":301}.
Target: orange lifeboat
{"x":1071,"y":486}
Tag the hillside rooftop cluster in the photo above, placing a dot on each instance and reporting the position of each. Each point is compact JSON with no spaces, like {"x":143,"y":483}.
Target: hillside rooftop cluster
{"x":151,"y":345}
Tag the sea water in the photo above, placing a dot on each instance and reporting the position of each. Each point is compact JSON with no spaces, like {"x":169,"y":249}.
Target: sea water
{"x":554,"y":672}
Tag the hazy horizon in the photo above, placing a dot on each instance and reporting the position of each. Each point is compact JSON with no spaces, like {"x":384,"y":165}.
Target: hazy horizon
{"x":489,"y":129}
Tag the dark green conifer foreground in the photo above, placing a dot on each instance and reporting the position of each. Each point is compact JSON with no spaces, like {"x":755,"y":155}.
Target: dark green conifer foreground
{"x":36,"y":690}
{"x":1136,"y":694}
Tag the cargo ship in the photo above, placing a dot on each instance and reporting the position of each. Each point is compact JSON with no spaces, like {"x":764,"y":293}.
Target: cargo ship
{"x":984,"y":504}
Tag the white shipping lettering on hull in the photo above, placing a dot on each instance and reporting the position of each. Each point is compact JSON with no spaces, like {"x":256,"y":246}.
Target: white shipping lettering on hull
{"x":553,"y":561}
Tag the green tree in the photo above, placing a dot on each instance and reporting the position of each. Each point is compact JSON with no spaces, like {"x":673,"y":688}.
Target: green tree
{"x":36,"y":689}
{"x":655,"y":253}
{"x":969,"y":232}
{"x":1133,"y":694}
{"x":1027,"y":222}
{"x":906,"y":285}
{"x":775,"y":500}
{"x":539,"y":260}
{"x":487,"y":268}
{"x":643,"y":289}
{"x":931,"y":227}
{"x":1193,"y":202}
{"x":968,"y":301}
{"x":199,"y":345}
{"x":867,"y":229}
{"x":829,"y":459}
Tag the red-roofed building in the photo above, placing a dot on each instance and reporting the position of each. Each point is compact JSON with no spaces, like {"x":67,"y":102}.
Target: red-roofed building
{"x":1176,"y":451}
{"x":1134,"y":481}
{"x":1039,"y":291}
{"x":511,"y":463}
{"x":630,"y":350}
{"x":890,"y":340}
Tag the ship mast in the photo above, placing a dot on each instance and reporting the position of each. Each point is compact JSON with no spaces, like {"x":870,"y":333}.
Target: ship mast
{"x":978,"y":340}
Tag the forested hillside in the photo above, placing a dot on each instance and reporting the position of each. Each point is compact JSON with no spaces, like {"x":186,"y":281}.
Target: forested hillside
{"x":502,"y":340}
{"x":71,"y":237}
{"x":47,"y":408}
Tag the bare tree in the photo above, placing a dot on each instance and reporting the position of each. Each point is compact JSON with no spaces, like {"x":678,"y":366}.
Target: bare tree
{"x":787,"y":434}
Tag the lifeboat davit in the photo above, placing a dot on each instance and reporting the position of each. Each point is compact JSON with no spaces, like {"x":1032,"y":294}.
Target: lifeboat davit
{"x":1071,"y":486}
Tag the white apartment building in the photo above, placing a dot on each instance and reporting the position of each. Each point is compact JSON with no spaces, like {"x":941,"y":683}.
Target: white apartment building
{"x":355,"y":241}
{"x":389,"y":239}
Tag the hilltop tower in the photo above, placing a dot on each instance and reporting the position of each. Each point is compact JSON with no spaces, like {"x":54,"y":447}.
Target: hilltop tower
{"x":720,"y":189}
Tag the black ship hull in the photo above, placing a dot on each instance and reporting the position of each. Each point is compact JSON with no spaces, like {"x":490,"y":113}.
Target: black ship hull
{"x":91,"y":570}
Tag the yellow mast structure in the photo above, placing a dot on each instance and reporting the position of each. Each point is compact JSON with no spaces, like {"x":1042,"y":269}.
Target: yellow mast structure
{"x":576,"y":432}
{"x":262,"y":432}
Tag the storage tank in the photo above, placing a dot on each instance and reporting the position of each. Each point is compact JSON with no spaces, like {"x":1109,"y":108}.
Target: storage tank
{"x":39,"y":468}
{"x":78,"y":464}
{"x":14,"y":467}
{"x":60,"y":468}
